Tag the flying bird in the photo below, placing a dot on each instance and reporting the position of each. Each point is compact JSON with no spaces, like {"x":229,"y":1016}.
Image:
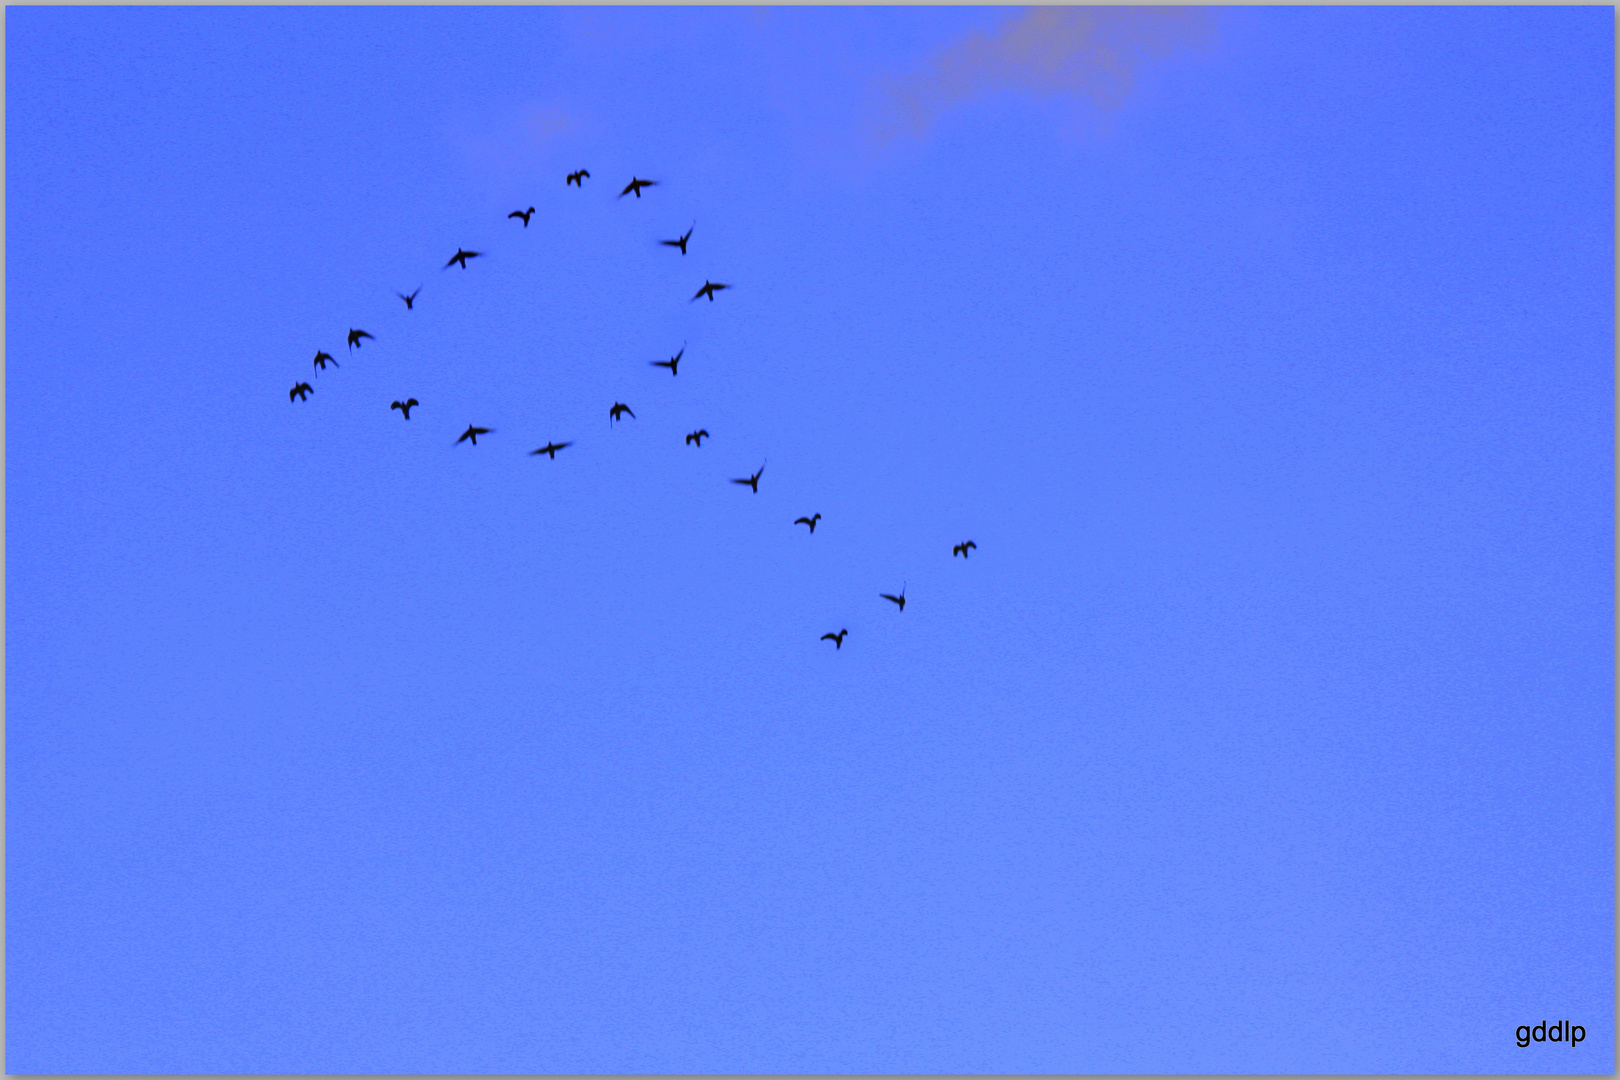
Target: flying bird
{"x":681,"y":243}
{"x":524,"y":214}
{"x":697,"y":437}
{"x":901,"y":599}
{"x":323,"y":358}
{"x":472,"y":433}
{"x":711,"y":288}
{"x":752,"y":481}
{"x":301,"y":392}
{"x":810,"y":521}
{"x":405,"y":406}
{"x":410,"y":301}
{"x":636,"y":185}
{"x":962,"y":548}
{"x":837,"y":639}
{"x":575,"y":179}
{"x":550,"y":448}
{"x":671,"y":362}
{"x":461,"y":257}
{"x":355,"y":336}
{"x":620,"y":408}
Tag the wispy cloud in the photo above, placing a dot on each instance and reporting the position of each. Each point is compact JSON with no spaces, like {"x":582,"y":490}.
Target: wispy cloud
{"x":1082,"y":52}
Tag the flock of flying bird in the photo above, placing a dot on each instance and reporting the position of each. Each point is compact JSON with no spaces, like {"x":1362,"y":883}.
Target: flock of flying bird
{"x":302,"y":390}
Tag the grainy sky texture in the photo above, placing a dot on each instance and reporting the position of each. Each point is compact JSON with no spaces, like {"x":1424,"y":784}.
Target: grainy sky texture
{"x":1266,"y":355}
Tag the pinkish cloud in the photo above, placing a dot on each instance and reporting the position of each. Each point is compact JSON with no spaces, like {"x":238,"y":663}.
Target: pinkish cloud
{"x":1081,"y":52}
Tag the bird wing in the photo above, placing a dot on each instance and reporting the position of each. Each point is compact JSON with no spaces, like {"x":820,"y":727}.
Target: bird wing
{"x":631,"y":411}
{"x":465,"y":435}
{"x":481,"y":431}
{"x":362,"y":333}
{"x":628,"y":188}
{"x":829,"y":637}
{"x":700,"y":292}
{"x":670,"y":243}
{"x":742,"y":481}
{"x":515,"y":213}
{"x":397,"y":405}
{"x":801,"y":521}
{"x":886,"y":596}
{"x":969,"y":544}
{"x":411,"y":401}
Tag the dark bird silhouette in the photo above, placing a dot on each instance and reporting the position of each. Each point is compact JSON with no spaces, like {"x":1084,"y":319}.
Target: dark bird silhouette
{"x":575,"y":178}
{"x":410,"y":301}
{"x":962,"y":548}
{"x":472,"y":433}
{"x":711,"y":288}
{"x":619,"y":408}
{"x":901,"y":599}
{"x":324,"y":358}
{"x":697,"y":437}
{"x":405,"y":406}
{"x":837,"y":639}
{"x":681,"y":243}
{"x":752,"y":481}
{"x":810,"y":521}
{"x":524,"y":214}
{"x":461,"y":257}
{"x":671,"y":362}
{"x":636,"y":185}
{"x":550,"y":448}
{"x":355,"y":336}
{"x":301,"y":392}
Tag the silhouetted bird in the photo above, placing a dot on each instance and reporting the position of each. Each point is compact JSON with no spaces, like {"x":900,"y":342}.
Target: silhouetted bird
{"x":810,"y":521}
{"x":697,"y":437}
{"x":405,"y":406}
{"x":410,"y":301}
{"x":837,"y":639}
{"x":461,"y":257}
{"x":324,"y":358}
{"x":901,"y":599}
{"x":671,"y":362}
{"x":619,"y":408}
{"x":752,"y":481}
{"x":472,"y":433}
{"x":550,"y":448}
{"x":355,"y":336}
{"x":711,"y":288}
{"x":962,"y":548}
{"x":681,"y":243}
{"x":524,"y":214}
{"x":575,"y":179}
{"x":636,"y":186}
{"x":301,"y":392}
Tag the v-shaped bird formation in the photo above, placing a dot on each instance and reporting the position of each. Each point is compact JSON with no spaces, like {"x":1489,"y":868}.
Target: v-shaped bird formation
{"x":302,"y":390}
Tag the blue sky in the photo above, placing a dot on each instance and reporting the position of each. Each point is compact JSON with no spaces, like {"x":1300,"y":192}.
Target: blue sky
{"x":1266,"y":355}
